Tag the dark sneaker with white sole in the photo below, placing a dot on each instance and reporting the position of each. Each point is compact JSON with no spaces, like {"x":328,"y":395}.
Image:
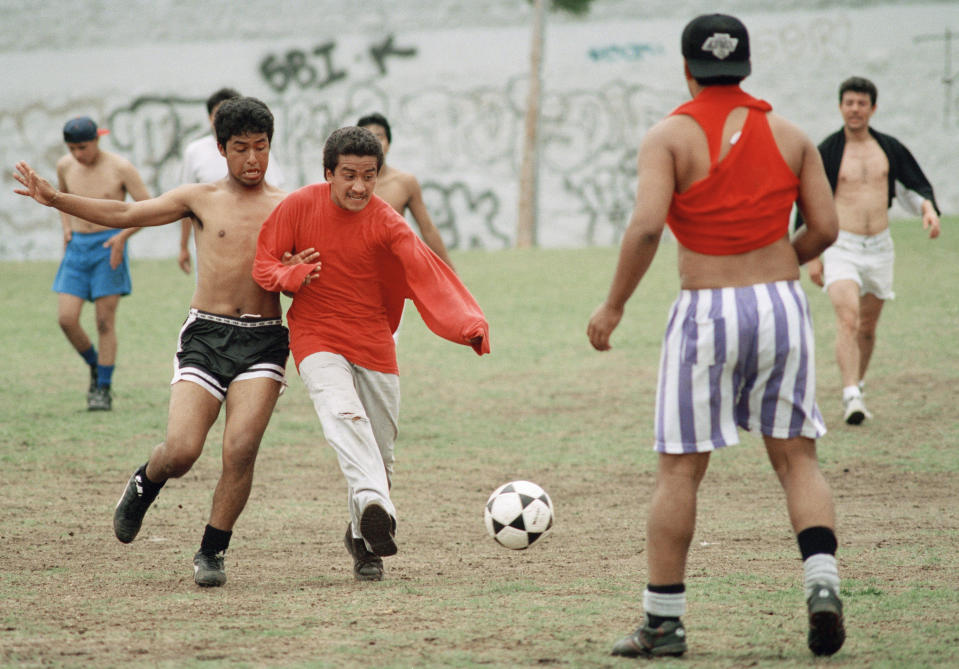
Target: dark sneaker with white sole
{"x":366,"y":565}
{"x":209,"y":570}
{"x":133,"y":504}
{"x":667,"y":639}
{"x":378,"y":528}
{"x":100,"y":399}
{"x":826,"y":629}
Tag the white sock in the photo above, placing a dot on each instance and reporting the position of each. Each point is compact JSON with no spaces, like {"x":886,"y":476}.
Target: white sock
{"x":665,"y":605}
{"x":820,"y":568}
{"x":849,"y":392}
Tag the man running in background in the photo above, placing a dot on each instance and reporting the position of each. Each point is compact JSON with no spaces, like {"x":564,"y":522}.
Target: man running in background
{"x":866,"y":170}
{"x":95,"y":265}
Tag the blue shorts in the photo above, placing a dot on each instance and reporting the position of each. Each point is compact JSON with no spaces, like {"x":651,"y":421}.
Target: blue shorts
{"x":85,"y":269}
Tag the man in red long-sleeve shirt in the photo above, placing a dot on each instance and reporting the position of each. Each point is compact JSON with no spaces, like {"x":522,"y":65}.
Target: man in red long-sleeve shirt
{"x":343,"y":317}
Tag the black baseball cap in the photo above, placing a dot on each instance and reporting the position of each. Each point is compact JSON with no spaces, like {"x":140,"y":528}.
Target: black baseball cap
{"x":82,"y":129}
{"x":716,"y":45}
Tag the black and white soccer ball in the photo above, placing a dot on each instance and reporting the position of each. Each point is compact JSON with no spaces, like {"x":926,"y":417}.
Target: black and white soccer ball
{"x":518,"y":514}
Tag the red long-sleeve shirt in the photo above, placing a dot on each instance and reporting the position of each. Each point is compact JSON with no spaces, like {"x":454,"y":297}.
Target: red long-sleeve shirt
{"x":370,"y":262}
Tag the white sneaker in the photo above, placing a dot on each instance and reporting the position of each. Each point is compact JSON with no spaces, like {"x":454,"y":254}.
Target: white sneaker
{"x":855,"y":410}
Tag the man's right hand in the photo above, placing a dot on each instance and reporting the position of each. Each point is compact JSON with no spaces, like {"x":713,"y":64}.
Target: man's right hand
{"x":815,"y":271}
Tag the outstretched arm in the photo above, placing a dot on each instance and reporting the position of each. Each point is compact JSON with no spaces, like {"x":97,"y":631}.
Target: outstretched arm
{"x":166,"y":208}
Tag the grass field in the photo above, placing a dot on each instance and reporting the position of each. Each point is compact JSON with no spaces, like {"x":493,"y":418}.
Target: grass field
{"x":544,"y":406}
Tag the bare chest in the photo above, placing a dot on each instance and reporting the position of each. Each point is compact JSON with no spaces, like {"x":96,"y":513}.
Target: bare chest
{"x":864,"y":165}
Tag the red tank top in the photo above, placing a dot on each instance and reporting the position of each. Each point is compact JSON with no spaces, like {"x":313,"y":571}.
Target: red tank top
{"x":745,"y":201}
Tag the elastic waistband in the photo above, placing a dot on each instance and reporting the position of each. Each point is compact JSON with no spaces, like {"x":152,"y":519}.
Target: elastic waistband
{"x":242,"y":322}
{"x":734,"y":289}
{"x":94,"y":237}
{"x":851,"y":240}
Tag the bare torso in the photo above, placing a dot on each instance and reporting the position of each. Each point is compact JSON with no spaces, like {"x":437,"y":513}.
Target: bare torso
{"x":774,"y":262}
{"x":862,"y":188}
{"x":393,"y":185}
{"x":103,"y":179}
{"x":227,"y":220}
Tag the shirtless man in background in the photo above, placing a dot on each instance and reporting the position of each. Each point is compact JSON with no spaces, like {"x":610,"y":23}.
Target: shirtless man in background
{"x":401,"y":190}
{"x":866,"y":169}
{"x":95,"y":266}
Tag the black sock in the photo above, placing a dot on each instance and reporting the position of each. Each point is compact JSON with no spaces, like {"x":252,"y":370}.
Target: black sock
{"x":214,"y":540}
{"x":817,"y":539}
{"x":150,"y":488}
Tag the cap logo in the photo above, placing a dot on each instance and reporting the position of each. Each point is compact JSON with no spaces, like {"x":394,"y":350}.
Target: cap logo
{"x":720,"y":45}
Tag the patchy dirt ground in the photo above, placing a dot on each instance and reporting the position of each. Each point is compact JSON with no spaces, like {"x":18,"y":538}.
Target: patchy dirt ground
{"x":74,"y":596}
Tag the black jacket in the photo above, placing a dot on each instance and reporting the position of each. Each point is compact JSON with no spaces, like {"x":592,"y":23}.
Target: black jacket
{"x":902,"y":166}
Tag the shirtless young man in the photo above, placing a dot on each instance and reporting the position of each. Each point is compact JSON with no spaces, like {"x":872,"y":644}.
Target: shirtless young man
{"x":202,"y":163}
{"x":401,"y":190}
{"x":94,"y":265}
{"x":232,"y":347}
{"x":725,"y":171}
{"x":864,"y":167}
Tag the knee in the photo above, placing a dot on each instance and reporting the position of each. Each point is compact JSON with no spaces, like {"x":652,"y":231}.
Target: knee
{"x":104,"y":325}
{"x":239,"y":457}
{"x":67,"y":323}
{"x":177,"y":457}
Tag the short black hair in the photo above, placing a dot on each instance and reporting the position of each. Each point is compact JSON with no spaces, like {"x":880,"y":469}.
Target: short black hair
{"x":218,"y":97}
{"x":725,"y":80}
{"x":242,"y":116}
{"x":377,"y":118}
{"x":350,"y":141}
{"x":859,"y":85}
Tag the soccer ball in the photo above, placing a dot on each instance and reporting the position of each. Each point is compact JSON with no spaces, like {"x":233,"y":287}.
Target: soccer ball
{"x":517,"y":514}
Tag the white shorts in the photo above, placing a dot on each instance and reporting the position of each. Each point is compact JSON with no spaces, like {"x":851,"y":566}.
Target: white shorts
{"x":866,"y":259}
{"x":731,"y":357}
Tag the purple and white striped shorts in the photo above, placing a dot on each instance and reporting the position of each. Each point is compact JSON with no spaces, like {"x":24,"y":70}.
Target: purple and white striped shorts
{"x":737,"y":356}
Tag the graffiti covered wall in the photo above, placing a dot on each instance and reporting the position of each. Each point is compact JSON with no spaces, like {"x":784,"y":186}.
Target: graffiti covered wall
{"x":456,"y":97}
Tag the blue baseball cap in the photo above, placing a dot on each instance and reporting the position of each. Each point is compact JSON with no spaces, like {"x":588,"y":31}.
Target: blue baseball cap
{"x":82,"y":129}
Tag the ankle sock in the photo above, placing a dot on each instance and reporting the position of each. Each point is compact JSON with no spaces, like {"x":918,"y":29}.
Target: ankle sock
{"x":90,"y":356}
{"x":104,"y":375}
{"x":849,"y":392}
{"x":214,"y":540}
{"x":817,"y":545}
{"x":664,"y":602}
{"x":150,"y":488}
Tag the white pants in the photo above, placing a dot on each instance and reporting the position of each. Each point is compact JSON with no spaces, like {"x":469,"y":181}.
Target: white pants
{"x":866,"y":259}
{"x":358,"y":410}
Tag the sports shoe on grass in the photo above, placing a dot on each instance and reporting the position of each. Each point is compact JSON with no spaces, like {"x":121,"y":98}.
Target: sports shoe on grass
{"x":826,"y":630}
{"x":208,"y":570}
{"x":377,"y":527}
{"x":366,"y":565}
{"x":93,"y":380}
{"x":99,"y":399}
{"x":667,"y":639}
{"x":133,"y":504}
{"x":854,"y":411}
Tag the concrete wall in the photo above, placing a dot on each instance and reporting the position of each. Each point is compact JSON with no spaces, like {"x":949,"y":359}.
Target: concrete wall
{"x":451,"y":77}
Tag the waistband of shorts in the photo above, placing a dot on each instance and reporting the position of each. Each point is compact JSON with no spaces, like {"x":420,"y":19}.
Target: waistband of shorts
{"x":93,"y":237}
{"x":852,"y":240}
{"x":733,"y":289}
{"x":242,"y":322}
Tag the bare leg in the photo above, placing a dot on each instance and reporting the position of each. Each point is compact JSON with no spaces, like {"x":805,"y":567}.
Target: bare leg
{"x":106,"y":313}
{"x":249,"y":405}
{"x":844,"y":296}
{"x":870,"y":307}
{"x":192,"y":413}
{"x":808,"y":496}
{"x":68,"y":317}
{"x":672,"y":516}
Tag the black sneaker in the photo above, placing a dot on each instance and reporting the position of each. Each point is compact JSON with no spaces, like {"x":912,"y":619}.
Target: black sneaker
{"x":133,"y":504}
{"x":378,"y":528}
{"x":667,"y":639}
{"x":93,"y":380}
{"x":208,"y":570}
{"x":366,"y":565}
{"x":99,"y":399}
{"x":826,"y":630}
